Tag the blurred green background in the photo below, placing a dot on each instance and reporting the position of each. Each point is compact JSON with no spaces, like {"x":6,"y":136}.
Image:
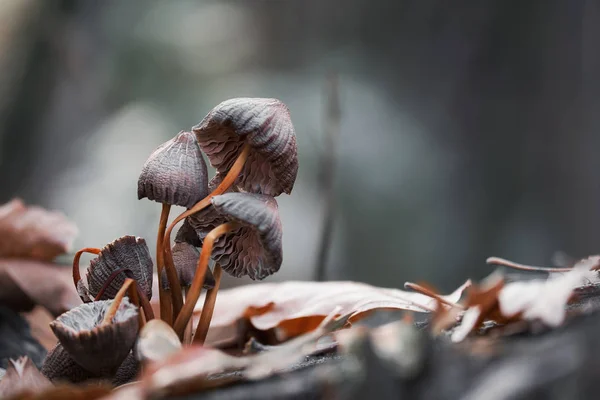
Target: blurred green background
{"x":468,"y":128}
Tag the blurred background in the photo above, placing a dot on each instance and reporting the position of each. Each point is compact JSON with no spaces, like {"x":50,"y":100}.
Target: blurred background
{"x":467,"y":128}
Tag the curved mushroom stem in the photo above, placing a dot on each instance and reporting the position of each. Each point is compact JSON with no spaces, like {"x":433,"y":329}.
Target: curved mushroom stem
{"x":510,"y":264}
{"x":166,"y":311}
{"x":132,"y":292}
{"x":76,"y":274}
{"x":114,"y":306}
{"x":225,"y":184}
{"x":144,"y":302}
{"x":189,"y":331}
{"x":209,"y":306}
{"x":196,"y":287}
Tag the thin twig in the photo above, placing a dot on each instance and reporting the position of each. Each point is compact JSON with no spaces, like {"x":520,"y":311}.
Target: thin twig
{"x":332,"y":131}
{"x":522,"y":267}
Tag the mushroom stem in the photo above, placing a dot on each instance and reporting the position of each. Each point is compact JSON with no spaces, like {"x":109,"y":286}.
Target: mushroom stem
{"x":225,"y":184}
{"x":189,"y":331}
{"x":165,"y":306}
{"x":145,"y":303}
{"x":114,"y":306}
{"x":510,"y":264}
{"x":196,"y":287}
{"x":76,"y":274}
{"x":132,"y":292}
{"x":207,"y":310}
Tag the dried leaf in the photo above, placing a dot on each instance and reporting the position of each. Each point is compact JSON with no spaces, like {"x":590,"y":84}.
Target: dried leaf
{"x":532,"y":300}
{"x":25,"y":283}
{"x":199,"y":368}
{"x":33,"y":233}
{"x":294,"y":308}
{"x":22,"y":376}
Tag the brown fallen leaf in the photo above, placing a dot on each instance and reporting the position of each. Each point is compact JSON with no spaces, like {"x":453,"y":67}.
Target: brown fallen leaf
{"x":33,"y":233}
{"x":22,"y":376}
{"x":198,"y":368}
{"x":294,"y":308}
{"x":542,"y":300}
{"x":25,"y":283}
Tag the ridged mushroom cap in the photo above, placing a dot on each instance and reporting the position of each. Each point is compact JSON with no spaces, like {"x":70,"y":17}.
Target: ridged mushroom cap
{"x":127,"y":252}
{"x":59,"y":366}
{"x":175,"y":173}
{"x":185,"y":258}
{"x":254,"y":249}
{"x":264,"y":124}
{"x":96,"y":347}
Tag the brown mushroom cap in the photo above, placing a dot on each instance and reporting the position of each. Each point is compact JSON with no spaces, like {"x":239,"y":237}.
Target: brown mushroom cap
{"x":264,"y":124}
{"x":175,"y":173}
{"x":254,"y":249}
{"x":59,"y":366}
{"x":127,"y":252}
{"x":185,"y":259}
{"x":96,"y":347}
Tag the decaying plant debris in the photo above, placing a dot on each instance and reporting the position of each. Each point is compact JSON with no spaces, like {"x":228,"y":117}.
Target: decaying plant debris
{"x":115,"y":338}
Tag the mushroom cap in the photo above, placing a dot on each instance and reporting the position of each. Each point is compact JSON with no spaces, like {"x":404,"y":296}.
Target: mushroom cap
{"x":127,"y":252}
{"x":187,"y":234}
{"x":60,"y":366}
{"x":96,"y":347}
{"x":157,"y":341}
{"x":254,"y":249}
{"x":175,"y":173}
{"x":264,"y":124}
{"x":185,"y":258}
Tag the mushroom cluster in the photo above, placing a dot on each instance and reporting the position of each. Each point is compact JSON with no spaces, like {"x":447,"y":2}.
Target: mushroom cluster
{"x":233,"y":218}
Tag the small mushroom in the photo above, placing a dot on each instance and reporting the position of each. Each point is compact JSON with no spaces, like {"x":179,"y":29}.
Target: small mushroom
{"x":247,"y":241}
{"x":98,"y":335}
{"x":174,"y":174}
{"x":127,"y":256}
{"x":156,"y":342}
{"x":252,"y":144}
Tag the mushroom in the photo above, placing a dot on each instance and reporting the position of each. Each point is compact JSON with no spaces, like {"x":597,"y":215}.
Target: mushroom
{"x":174,"y":174}
{"x":127,"y":256}
{"x":246,"y":241}
{"x":99,"y":335}
{"x":252,"y":144}
{"x":156,"y":342}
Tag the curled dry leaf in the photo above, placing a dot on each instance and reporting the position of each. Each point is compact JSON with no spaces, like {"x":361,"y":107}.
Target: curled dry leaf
{"x":532,"y":300}
{"x":25,"y":283}
{"x":22,"y":376}
{"x":293,"y":308}
{"x":199,"y":368}
{"x":33,"y":233}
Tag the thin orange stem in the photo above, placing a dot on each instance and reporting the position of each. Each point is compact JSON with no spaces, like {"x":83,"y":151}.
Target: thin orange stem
{"x":430,"y":293}
{"x":76,"y":273}
{"x":522,"y":267}
{"x":196,"y":287}
{"x":207,"y":310}
{"x":227,"y":182}
{"x":132,"y":292}
{"x":189,"y":331}
{"x":114,"y":306}
{"x":165,"y":306}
